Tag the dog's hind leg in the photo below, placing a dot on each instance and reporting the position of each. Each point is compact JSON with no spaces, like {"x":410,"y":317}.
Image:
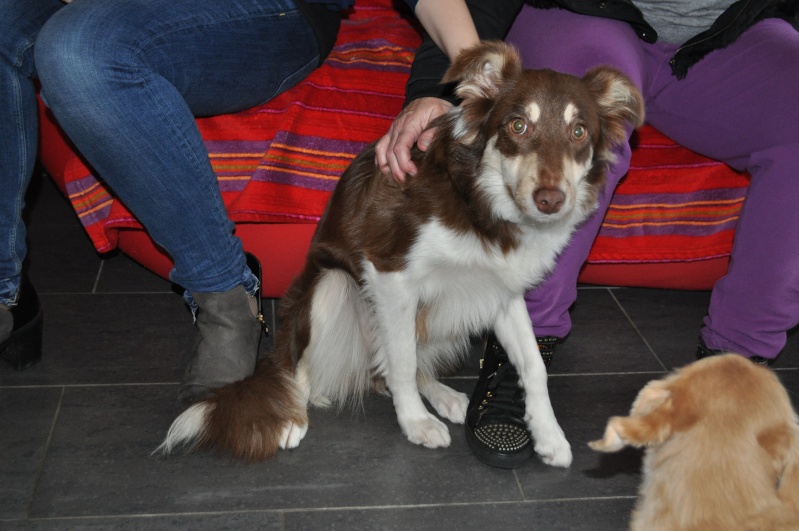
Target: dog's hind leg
{"x":293,"y":433}
{"x":337,"y":359}
{"x":515,"y":332}
{"x":448,"y":402}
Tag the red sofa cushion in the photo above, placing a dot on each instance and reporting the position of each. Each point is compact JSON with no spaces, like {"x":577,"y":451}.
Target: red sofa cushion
{"x":670,"y":224}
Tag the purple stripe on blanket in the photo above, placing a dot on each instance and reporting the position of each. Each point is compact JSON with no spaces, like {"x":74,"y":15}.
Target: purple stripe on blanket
{"x":236,"y":146}
{"x":91,"y":202}
{"x":669,"y":198}
{"x":327,"y":147}
{"x":306,"y":161}
{"x":275,"y":175}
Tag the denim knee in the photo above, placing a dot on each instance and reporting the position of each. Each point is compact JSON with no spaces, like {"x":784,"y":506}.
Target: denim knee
{"x":78,"y":50}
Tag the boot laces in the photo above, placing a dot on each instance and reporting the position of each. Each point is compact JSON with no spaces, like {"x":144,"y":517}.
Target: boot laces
{"x":504,"y":392}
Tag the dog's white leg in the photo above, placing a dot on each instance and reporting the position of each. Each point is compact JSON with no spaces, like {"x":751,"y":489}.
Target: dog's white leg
{"x":292,"y":434}
{"x":515,"y":332}
{"x":395,"y":311}
{"x":448,"y":402}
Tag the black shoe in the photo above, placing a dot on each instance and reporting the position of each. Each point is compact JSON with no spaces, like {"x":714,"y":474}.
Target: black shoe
{"x":702,"y":351}
{"x":495,"y":426}
{"x":21,"y":345}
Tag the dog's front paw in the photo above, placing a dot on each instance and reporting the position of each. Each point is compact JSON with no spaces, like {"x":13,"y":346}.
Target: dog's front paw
{"x":429,"y":432}
{"x":291,"y":435}
{"x":450,"y":404}
{"x":554,"y":449}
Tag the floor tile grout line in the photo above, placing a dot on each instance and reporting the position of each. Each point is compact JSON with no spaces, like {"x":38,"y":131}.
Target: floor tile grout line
{"x":296,"y":510}
{"x":92,"y":293}
{"x":176,"y":382}
{"x":637,"y":331}
{"x":88,"y":385}
{"x":40,"y":469}
{"x":519,"y":485}
{"x":97,"y":277}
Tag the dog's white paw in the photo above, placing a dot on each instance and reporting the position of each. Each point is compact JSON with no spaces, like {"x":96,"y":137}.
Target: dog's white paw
{"x":428,"y":432}
{"x":291,"y":435}
{"x":450,"y":404}
{"x":554,"y":449}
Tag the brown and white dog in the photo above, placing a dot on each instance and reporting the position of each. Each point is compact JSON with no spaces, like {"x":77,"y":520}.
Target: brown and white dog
{"x":397,"y":279}
{"x":722,"y":449}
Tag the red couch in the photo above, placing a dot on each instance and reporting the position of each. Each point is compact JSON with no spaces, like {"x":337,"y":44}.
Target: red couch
{"x":670,"y":225}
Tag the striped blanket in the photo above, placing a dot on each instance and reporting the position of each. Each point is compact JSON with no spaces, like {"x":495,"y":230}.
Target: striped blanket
{"x":278,"y":162}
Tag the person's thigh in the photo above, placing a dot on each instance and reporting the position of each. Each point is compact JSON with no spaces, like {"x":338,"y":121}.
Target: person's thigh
{"x":572,"y":43}
{"x":20,"y":22}
{"x":737,"y":100}
{"x":220,"y":56}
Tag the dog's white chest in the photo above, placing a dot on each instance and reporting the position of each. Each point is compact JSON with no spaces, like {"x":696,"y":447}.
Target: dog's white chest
{"x":461,"y":282}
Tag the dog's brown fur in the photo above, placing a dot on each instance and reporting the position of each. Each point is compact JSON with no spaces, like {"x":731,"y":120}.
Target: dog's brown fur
{"x":722,"y":449}
{"x":398,"y":278}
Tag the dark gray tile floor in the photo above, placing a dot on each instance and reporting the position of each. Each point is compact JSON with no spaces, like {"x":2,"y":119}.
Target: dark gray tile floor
{"x":78,"y":429}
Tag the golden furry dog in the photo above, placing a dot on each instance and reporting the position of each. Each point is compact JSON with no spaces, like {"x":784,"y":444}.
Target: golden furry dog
{"x":722,"y":449}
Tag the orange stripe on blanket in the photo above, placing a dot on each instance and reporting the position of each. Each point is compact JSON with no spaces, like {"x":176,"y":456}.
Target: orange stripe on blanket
{"x":314,"y":175}
{"x":669,"y":223}
{"x":97,"y":207}
{"x":736,"y":201}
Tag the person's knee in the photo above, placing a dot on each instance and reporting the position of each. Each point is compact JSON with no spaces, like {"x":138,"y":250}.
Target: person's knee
{"x":76,"y":51}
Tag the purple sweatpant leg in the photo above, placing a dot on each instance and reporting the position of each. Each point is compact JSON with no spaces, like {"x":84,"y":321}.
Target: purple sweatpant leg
{"x":739,"y":105}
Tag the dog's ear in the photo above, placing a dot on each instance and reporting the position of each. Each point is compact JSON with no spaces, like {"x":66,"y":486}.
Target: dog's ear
{"x":782,"y":445}
{"x":620,"y":102}
{"x":483,"y":68}
{"x":649,"y":423}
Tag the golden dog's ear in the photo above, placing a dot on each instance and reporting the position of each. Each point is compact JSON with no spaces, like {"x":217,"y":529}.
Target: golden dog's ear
{"x":782,"y":444}
{"x":650,"y":421}
{"x":482,"y":69}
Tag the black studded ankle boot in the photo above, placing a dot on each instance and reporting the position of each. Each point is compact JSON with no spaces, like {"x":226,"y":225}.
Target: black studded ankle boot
{"x":21,"y":329}
{"x":495,"y":426}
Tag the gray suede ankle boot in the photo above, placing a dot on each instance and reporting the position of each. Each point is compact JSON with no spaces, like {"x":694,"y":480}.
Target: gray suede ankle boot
{"x":229,"y":326}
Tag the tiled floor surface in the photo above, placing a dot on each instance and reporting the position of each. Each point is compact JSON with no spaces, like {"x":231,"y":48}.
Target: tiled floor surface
{"x":77,"y":430}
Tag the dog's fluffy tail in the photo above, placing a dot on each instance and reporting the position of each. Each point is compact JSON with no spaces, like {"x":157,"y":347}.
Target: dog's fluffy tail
{"x":248,"y":420}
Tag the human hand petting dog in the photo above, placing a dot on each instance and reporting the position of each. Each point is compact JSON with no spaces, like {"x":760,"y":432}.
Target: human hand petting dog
{"x":450,"y":25}
{"x":393,"y":150}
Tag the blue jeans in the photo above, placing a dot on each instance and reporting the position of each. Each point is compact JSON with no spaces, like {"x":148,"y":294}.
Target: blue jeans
{"x":125,"y":79}
{"x":20,"y":23}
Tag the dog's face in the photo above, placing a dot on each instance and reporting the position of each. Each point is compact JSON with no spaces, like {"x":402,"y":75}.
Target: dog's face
{"x":546,"y":137}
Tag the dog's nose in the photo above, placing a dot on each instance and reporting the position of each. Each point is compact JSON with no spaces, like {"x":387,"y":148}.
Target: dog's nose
{"x":548,"y":200}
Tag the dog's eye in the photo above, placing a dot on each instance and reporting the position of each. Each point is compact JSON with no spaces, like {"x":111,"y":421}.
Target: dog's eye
{"x":518,"y":126}
{"x":579,"y":132}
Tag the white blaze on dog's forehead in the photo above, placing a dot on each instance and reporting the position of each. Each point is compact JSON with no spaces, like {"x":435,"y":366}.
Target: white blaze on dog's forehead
{"x":533,"y":111}
{"x":569,"y":113}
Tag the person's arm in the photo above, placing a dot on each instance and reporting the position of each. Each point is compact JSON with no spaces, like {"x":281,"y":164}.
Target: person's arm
{"x":491,"y":19}
{"x":426,"y":97}
{"x":448,"y":23}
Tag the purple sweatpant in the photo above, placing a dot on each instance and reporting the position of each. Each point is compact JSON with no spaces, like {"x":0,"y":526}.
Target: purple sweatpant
{"x":739,"y":105}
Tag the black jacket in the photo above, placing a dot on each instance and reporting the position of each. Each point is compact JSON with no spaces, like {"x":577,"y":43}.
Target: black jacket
{"x":493,"y":19}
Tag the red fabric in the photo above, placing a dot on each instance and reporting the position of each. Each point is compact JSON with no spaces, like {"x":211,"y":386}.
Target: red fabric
{"x":278,"y":162}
